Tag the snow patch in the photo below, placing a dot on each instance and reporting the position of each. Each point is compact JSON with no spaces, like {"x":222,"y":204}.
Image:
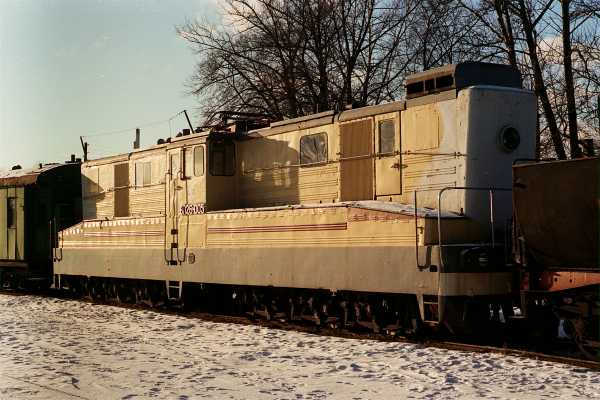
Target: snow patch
{"x":52,"y":348}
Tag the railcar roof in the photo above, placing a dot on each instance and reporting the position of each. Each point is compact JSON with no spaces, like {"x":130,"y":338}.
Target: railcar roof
{"x":25,"y":176}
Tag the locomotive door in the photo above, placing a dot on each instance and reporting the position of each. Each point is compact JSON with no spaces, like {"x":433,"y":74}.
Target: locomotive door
{"x":356,"y":160}
{"x":175,"y":192}
{"x":388,"y":163}
{"x":185,"y":194}
{"x":121,"y":194}
{"x":12,"y":223}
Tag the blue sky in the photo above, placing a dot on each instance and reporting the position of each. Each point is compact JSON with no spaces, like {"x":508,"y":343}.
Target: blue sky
{"x":75,"y":67}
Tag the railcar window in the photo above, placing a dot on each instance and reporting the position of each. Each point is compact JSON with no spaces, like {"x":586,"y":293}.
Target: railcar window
{"x":313,"y":149}
{"x":199,"y":160}
{"x":387,"y":136}
{"x":11,"y":213}
{"x":143,"y":173}
{"x":222,"y":158}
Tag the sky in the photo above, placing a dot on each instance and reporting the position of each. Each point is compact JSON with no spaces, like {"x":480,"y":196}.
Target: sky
{"x":81,"y":67}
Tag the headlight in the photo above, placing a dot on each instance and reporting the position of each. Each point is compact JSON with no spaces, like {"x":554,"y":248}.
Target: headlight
{"x":509,"y":139}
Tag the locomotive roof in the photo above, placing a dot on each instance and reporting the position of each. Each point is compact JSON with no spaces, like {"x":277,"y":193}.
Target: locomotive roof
{"x":448,"y":79}
{"x":26,"y":176}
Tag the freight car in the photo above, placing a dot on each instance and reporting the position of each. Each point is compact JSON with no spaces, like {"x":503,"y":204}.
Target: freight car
{"x":35,"y":203}
{"x":383,"y":216}
{"x":556,"y":247}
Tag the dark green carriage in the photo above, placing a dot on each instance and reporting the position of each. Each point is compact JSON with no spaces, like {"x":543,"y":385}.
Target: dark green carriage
{"x":34,"y":205}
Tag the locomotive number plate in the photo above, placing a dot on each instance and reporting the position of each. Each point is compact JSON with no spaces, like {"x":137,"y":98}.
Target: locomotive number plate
{"x":192,"y":209}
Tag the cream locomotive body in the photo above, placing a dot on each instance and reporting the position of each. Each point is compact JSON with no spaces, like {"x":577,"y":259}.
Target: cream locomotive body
{"x":404,"y":202}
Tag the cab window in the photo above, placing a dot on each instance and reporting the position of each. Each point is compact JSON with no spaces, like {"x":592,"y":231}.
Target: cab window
{"x":313,"y":149}
{"x":387,"y":136}
{"x":143,"y":173}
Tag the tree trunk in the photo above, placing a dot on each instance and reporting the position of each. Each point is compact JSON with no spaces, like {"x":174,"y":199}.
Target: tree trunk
{"x":538,"y":79}
{"x":569,"y":85}
{"x":503,"y":17}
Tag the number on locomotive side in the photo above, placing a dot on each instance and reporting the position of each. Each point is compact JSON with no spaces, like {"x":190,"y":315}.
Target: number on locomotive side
{"x":192,"y":209}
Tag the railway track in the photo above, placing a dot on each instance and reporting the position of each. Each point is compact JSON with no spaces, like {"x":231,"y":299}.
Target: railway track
{"x":441,"y":343}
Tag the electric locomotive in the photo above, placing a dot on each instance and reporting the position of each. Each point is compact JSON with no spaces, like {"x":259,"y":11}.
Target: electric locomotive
{"x":387,"y":216}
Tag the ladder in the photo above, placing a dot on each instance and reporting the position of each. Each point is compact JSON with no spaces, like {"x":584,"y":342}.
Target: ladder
{"x":430,"y":309}
{"x":174,"y":290}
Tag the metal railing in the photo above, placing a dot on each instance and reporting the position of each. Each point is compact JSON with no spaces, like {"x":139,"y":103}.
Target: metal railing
{"x":490,"y":190}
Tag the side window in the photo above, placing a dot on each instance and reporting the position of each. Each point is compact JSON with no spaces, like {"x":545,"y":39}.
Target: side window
{"x":313,"y":149}
{"x":387,"y":136}
{"x":143,"y":174}
{"x":199,"y":161}
{"x":11,"y":213}
{"x":188,"y":163}
{"x":222,"y":158}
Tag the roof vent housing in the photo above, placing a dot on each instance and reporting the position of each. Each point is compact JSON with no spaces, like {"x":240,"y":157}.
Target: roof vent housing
{"x":460,"y":76}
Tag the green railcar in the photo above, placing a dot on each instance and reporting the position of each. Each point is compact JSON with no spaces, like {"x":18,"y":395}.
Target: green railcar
{"x":34,"y":205}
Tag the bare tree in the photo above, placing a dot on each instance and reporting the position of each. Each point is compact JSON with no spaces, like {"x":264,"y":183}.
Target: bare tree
{"x":289,"y":58}
{"x":569,"y":84}
{"x":547,"y":40}
{"x":286,"y":58}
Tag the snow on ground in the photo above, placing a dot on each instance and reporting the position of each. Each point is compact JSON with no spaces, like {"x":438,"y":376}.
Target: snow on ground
{"x":52,"y":348}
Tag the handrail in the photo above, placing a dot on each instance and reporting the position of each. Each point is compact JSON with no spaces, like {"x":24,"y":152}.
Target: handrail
{"x":524,"y":160}
{"x":51,"y":239}
{"x":419,"y":266}
{"x":166,"y":195}
{"x":114,"y":189}
{"x":187,"y":226}
{"x":490,"y":191}
{"x":56,"y":236}
{"x":416,"y":232}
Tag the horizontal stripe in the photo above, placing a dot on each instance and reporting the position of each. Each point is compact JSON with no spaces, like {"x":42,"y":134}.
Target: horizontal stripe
{"x":110,"y":244}
{"x":294,"y":242}
{"x":123,"y":234}
{"x":282,"y":228}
